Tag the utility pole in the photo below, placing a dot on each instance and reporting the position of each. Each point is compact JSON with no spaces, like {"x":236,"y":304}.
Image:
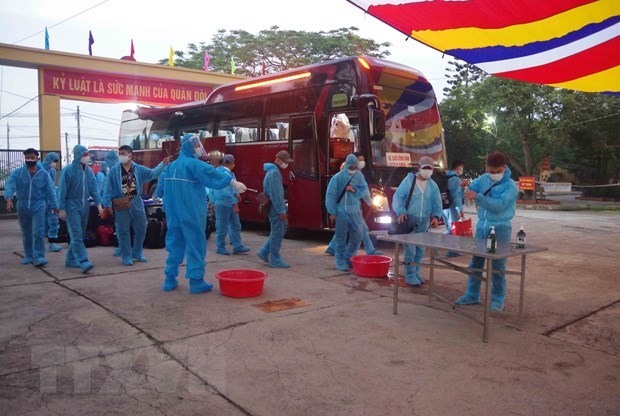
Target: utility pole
{"x":78,"y":125}
{"x":67,"y":148}
{"x":8,"y":130}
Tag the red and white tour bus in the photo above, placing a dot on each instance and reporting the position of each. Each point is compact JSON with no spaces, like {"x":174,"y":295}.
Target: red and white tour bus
{"x":392,"y":110}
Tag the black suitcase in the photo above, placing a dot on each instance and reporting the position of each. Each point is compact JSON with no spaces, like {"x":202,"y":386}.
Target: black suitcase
{"x":155,"y":234}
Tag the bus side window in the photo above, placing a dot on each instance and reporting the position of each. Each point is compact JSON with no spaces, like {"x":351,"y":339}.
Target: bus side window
{"x":277,"y":129}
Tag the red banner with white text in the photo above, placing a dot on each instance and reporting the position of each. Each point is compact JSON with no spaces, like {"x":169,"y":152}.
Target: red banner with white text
{"x":96,"y":86}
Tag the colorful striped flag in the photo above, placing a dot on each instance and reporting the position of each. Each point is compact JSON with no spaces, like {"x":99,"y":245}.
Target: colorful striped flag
{"x":47,"y":39}
{"x":171,"y":57}
{"x":91,"y":40}
{"x":572,"y":44}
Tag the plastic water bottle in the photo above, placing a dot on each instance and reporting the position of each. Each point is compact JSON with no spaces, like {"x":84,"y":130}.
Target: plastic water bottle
{"x":521,"y":238}
{"x":492,"y":241}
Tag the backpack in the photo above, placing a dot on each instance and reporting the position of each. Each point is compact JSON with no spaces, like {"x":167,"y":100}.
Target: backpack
{"x":155,"y":234}
{"x":104,"y":235}
{"x":210,"y":219}
{"x":441,"y":179}
{"x":90,"y":239}
{"x":63,"y":233}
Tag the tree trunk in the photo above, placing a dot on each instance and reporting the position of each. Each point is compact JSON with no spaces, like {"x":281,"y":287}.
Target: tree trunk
{"x":527,"y":155}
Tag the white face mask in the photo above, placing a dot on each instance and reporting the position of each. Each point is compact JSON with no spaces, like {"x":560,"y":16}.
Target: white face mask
{"x":53,"y":165}
{"x":85,"y":160}
{"x":351,"y":172}
{"x":283,"y":166}
{"x":496,"y":176}
{"x":426,"y":173}
{"x":361,"y":164}
{"x":123,"y":159}
{"x":459,"y":171}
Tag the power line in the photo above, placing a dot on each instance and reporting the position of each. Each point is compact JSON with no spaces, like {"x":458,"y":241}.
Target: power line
{"x":61,"y":22}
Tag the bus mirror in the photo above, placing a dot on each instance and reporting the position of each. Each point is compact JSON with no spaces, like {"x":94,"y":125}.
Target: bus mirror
{"x":377,"y":124}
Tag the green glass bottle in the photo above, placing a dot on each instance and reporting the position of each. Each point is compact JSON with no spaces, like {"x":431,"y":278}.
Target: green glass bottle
{"x":492,"y":241}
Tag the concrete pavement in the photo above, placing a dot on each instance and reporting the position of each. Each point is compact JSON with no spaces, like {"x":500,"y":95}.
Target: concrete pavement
{"x":111,"y":342}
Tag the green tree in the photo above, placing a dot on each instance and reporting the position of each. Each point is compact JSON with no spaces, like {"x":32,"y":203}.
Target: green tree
{"x":276,"y":49}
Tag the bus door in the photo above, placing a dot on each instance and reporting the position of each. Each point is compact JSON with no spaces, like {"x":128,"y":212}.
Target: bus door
{"x":302,"y":178}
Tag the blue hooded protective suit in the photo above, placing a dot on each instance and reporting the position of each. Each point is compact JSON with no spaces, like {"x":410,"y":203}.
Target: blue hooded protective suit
{"x":274,"y":189}
{"x":347,"y":210}
{"x":453,"y":213}
{"x":77,"y":184}
{"x":184,"y":193}
{"x":51,"y":219}
{"x":134,"y":217}
{"x":226,"y":220}
{"x":496,"y":208}
{"x":422,"y":207}
{"x":35,"y":194}
{"x":110,"y":159}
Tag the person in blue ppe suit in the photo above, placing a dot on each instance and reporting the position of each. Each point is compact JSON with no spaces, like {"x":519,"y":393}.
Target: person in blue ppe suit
{"x":109,"y":160}
{"x":344,"y":192}
{"x":35,"y":194}
{"x":184,"y":195}
{"x":51,"y":219}
{"x":77,"y":185}
{"x":424,"y":209}
{"x":455,"y":211}
{"x":369,"y":247}
{"x":125,"y":179}
{"x":227,"y":213}
{"x":495,"y":194}
{"x":278,"y":220}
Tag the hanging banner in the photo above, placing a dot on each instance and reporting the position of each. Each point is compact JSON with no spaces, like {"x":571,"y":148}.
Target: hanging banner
{"x":91,"y":86}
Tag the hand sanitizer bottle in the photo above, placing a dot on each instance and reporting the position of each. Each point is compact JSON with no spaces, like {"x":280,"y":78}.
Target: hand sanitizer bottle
{"x":521,"y":238}
{"x":492,"y":241}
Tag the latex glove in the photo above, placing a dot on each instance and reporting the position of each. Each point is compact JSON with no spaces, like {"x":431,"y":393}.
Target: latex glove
{"x":239,"y":187}
{"x":62,"y":214}
{"x":100,"y":209}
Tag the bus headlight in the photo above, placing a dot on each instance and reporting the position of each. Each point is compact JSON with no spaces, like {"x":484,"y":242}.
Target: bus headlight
{"x":379,"y":201}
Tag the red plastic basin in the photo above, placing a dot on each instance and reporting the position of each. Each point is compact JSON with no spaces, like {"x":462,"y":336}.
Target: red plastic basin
{"x":369,"y":265}
{"x":242,"y":283}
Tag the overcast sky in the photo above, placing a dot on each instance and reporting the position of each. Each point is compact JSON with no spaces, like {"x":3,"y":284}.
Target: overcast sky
{"x":154,"y":26}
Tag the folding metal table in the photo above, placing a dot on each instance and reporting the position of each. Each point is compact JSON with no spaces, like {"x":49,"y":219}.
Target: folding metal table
{"x":463,"y":245}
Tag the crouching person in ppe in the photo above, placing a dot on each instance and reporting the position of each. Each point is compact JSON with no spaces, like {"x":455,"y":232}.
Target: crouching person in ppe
{"x":278,"y":220}
{"x":35,"y":194}
{"x":184,"y":195}
{"x":125,"y":180}
{"x":495,"y":194}
{"x":77,"y":184}
{"x":425,"y":203}
{"x":342,"y":200}
{"x":51,"y":218}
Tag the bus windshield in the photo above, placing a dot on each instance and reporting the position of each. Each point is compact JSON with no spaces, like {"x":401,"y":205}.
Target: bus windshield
{"x":412,"y":127}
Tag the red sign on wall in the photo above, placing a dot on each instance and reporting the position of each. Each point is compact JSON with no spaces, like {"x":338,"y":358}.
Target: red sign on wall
{"x":527,"y":183}
{"x":99,"y":86}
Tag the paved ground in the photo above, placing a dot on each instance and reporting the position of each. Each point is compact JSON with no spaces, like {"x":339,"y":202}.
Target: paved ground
{"x":111,"y":342}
